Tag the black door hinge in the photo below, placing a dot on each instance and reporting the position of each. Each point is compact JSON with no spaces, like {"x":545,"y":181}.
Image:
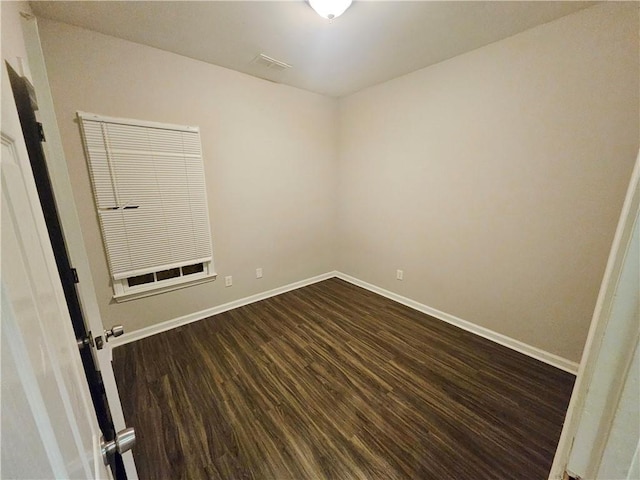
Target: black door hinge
{"x":74,"y":274}
{"x":41,"y":132}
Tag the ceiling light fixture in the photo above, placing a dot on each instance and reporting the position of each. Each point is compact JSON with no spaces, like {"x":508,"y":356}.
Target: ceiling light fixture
{"x":330,"y":8}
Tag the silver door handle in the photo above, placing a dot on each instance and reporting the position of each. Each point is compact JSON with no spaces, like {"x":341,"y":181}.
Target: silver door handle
{"x":124,"y":441}
{"x":115,"y":331}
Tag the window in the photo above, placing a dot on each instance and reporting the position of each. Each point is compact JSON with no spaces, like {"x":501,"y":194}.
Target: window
{"x":150,"y":195}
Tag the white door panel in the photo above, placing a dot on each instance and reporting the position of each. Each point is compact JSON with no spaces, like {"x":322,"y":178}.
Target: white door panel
{"x":622,"y":444}
{"x":16,"y":393}
{"x":46,"y":405}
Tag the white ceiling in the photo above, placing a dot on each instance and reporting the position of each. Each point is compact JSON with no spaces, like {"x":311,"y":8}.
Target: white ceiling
{"x":372,"y":42}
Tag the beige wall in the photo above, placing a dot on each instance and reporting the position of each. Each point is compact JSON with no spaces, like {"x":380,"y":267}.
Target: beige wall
{"x":495,"y":179}
{"x":269,"y":153}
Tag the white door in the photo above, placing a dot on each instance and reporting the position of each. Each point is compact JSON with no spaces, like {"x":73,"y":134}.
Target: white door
{"x":601,"y":435}
{"x":49,"y":427}
{"x":57,"y":167}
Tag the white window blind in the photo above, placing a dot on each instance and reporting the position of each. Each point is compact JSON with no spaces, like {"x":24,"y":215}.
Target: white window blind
{"x":148,"y":182}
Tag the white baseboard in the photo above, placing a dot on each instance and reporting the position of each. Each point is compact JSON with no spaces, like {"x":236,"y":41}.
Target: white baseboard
{"x":194,"y":317}
{"x":517,"y":345}
{"x":546,"y":357}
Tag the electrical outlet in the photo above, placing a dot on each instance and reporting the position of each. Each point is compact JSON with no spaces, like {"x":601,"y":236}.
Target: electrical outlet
{"x":399,"y":274}
{"x":259,"y":272}
{"x":228,"y":281}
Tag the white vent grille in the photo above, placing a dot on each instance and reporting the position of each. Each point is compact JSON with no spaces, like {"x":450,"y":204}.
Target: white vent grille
{"x":270,"y":63}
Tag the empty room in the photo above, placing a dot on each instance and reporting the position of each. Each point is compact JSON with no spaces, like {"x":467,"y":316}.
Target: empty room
{"x":320,"y":239}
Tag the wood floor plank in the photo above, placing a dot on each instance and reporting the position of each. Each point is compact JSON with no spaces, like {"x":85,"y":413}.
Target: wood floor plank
{"x":332,"y":381}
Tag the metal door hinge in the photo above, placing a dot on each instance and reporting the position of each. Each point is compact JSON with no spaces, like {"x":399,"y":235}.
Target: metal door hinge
{"x":41,"y":132}
{"x":74,"y":275}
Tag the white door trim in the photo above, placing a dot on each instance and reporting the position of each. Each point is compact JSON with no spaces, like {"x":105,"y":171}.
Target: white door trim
{"x":59,"y":174}
{"x":597,"y":330}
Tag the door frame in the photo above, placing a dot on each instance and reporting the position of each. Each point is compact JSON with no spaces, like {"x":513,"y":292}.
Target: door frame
{"x":60,"y":180}
{"x":596,"y":334}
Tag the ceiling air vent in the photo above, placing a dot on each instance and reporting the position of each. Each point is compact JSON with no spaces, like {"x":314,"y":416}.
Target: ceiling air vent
{"x":270,"y":63}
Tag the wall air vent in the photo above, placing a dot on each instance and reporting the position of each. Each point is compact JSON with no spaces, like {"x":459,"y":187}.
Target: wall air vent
{"x":271,"y":63}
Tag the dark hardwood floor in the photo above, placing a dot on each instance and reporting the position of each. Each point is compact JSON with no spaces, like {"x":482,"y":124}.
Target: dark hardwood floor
{"x":332,"y":381}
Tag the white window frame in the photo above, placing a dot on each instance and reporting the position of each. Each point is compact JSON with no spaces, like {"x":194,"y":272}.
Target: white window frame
{"x":120,"y":282}
{"x":123,"y":292}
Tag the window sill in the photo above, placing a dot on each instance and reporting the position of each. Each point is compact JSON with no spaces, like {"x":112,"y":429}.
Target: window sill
{"x":141,"y":291}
